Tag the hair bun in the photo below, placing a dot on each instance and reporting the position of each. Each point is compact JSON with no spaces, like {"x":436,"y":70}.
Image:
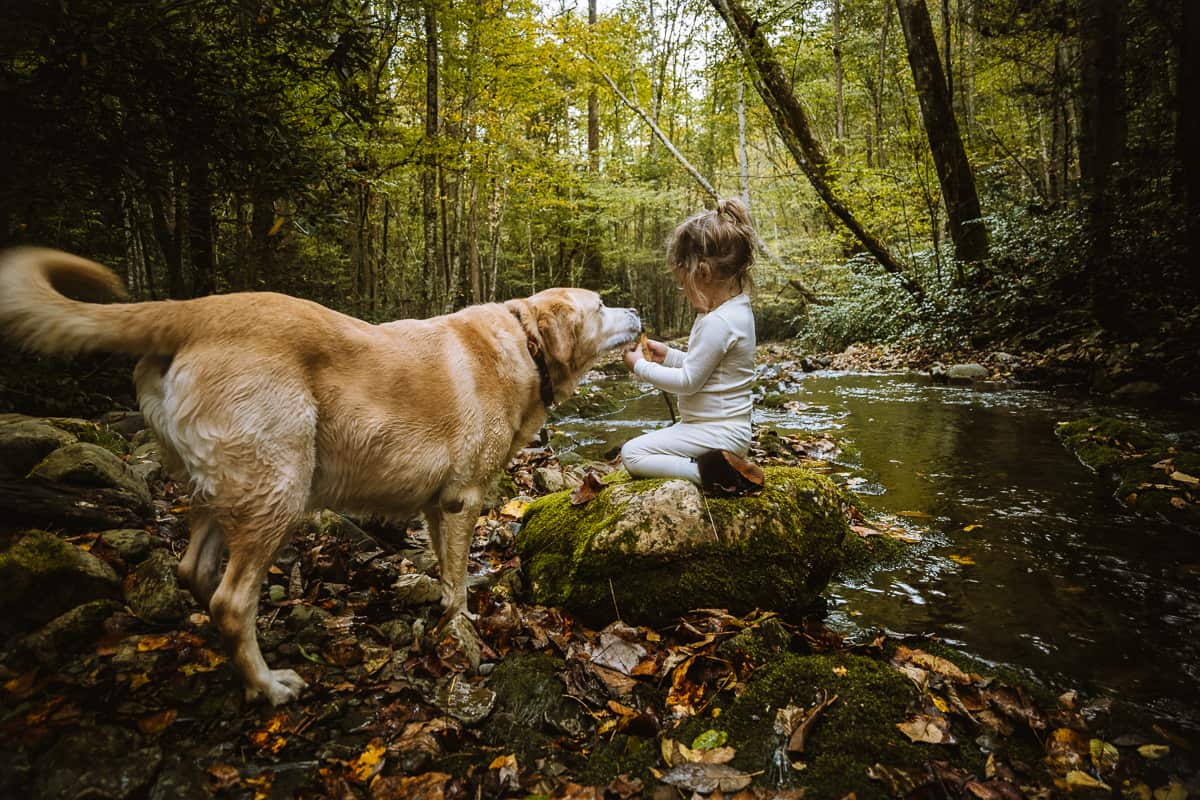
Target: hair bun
{"x":734,"y":209}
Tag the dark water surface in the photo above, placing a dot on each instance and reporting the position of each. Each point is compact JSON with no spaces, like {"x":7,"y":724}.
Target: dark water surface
{"x":1053,"y":575}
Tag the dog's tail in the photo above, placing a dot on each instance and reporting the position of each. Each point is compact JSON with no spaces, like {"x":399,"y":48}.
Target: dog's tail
{"x":55,"y":302}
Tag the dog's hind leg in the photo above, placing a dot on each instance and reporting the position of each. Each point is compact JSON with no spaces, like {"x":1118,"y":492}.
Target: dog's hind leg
{"x":200,"y":568}
{"x":253,"y":544}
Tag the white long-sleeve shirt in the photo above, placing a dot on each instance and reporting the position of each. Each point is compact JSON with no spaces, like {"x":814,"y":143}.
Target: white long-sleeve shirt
{"x":713,"y":378}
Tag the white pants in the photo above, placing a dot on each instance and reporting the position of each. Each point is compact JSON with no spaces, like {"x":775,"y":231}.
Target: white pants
{"x":671,"y":452}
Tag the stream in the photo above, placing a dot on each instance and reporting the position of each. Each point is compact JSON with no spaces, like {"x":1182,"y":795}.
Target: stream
{"x":1024,"y":557}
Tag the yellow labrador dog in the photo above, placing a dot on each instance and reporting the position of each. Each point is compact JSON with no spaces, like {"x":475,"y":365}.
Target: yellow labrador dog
{"x":273,"y":406}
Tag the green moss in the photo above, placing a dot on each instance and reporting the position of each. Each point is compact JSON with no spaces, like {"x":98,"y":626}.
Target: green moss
{"x":92,"y":433}
{"x":854,"y":733}
{"x":787,"y":559}
{"x":1125,"y":453}
{"x":621,"y":755}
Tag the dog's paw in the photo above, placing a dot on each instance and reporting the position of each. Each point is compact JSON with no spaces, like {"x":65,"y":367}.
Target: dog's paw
{"x":283,"y":686}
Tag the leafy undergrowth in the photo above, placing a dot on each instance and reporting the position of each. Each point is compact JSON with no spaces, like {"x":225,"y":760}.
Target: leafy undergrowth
{"x":721,"y":706}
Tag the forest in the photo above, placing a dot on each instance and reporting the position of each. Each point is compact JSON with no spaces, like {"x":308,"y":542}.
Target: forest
{"x":953,"y":173}
{"x":966,"y":565}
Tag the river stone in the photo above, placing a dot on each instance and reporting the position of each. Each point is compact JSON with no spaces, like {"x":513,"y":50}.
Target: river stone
{"x":649,"y":548}
{"x":43,"y":576}
{"x":69,"y":632}
{"x":152,"y":590}
{"x":25,"y":441}
{"x":967,"y":373}
{"x":84,"y":464}
{"x":467,"y":702}
{"x":102,"y":762}
{"x":416,"y":589}
{"x":1138,"y":392}
{"x":131,"y":544}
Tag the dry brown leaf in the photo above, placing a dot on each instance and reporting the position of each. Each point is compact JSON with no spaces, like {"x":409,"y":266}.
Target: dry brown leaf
{"x":923,"y":728}
{"x":707,"y":778}
{"x":587,"y":491}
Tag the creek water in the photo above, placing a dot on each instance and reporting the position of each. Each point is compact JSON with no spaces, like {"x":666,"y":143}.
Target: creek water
{"x":1024,"y":557}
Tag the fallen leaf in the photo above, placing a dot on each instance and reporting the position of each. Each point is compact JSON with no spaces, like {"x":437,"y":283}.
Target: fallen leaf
{"x":931,"y":730}
{"x":965,"y":561}
{"x":430,"y":786}
{"x":153,"y":642}
{"x":932,"y":663}
{"x":914,"y":514}
{"x":841,"y":672}
{"x":1153,"y":751}
{"x":709,"y":739}
{"x":1078,"y":779}
{"x":157,"y":722}
{"x":514,"y":509}
{"x":973,"y":527}
{"x":707,"y":778}
{"x":369,"y":762}
{"x":1189,"y":481}
{"x":587,"y":491}
{"x":1172,"y":791}
{"x":1104,"y":755}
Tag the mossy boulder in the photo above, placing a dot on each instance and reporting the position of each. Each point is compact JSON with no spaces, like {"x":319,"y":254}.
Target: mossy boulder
{"x":43,"y":576}
{"x":857,"y":731}
{"x":152,"y":590}
{"x":25,"y":441}
{"x":655,"y":549}
{"x":86,"y":464}
{"x":1152,"y":475}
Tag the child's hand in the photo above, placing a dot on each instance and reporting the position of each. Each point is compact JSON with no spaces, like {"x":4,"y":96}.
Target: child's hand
{"x":632,"y":355}
{"x":655,"y":351}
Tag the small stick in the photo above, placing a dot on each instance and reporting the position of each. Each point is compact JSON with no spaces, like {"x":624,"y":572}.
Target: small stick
{"x":613,"y":593}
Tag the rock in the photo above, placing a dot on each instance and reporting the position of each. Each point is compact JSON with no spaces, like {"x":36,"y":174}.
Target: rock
{"x":84,"y":464}
{"x":1142,"y":464}
{"x":465,"y":701}
{"x":25,"y":441}
{"x":548,"y":480}
{"x":126,"y":423}
{"x":1138,"y":392}
{"x":463,"y":632}
{"x":809,"y":364}
{"x":937,"y":372}
{"x":102,"y":762}
{"x":132,"y":545}
{"x":92,"y":433}
{"x":152,"y":590}
{"x":398,"y":632}
{"x":1001,"y":357}
{"x":69,"y":632}
{"x":967,"y":373}
{"x":181,"y":778}
{"x":416,"y":589}
{"x":147,"y":461}
{"x":649,"y":547}
{"x":42,"y":576}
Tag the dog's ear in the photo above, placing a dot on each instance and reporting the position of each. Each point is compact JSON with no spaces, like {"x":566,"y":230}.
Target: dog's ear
{"x":558,"y":328}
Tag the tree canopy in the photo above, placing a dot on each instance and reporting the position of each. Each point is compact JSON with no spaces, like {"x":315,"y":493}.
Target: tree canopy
{"x":400,"y":159}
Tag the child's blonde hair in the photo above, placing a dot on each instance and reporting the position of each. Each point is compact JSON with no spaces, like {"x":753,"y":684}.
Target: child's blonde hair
{"x":718,"y":244}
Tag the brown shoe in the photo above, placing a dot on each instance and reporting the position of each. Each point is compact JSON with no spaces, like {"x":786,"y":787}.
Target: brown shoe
{"x":726,"y":474}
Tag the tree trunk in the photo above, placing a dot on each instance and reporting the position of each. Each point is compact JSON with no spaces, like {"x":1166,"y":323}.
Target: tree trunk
{"x":949,"y":156}
{"x":792,"y":123}
{"x":838,"y":78}
{"x":743,"y":160}
{"x":880,"y":85}
{"x":1187,"y":140}
{"x":1102,"y":141}
{"x":593,"y":262}
{"x":200,"y":228}
{"x":429,"y":173}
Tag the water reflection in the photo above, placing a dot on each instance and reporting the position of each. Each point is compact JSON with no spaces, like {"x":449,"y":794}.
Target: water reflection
{"x":1048,"y":571}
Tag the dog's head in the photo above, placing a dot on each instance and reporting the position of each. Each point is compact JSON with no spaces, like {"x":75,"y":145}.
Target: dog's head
{"x":573,"y":328}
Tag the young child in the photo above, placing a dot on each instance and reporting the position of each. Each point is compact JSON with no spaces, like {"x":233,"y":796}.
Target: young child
{"x":710,"y":254}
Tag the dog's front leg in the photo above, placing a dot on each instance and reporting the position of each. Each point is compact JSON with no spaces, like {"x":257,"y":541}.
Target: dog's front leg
{"x":455,"y":525}
{"x":234,"y":608}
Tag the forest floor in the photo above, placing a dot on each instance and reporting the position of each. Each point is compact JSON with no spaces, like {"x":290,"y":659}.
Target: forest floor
{"x":536,"y":705}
